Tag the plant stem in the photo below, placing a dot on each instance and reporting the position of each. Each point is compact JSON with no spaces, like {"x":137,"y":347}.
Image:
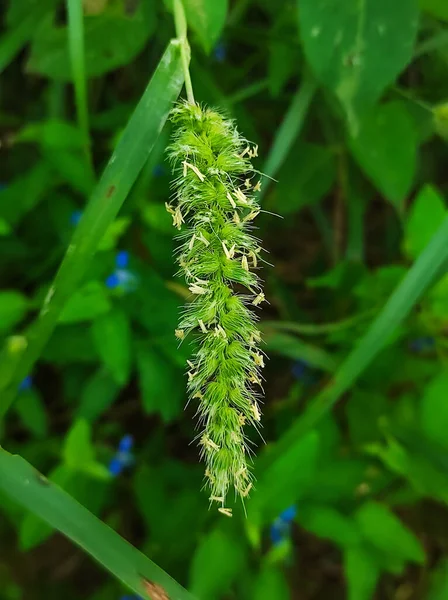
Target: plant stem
{"x":180,"y":23}
{"x":77,"y":58}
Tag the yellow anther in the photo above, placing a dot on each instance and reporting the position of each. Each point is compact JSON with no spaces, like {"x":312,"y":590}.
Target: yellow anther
{"x":244,"y":263}
{"x":225,"y":511}
{"x":258,"y":359}
{"x":195,"y":170}
{"x":231,"y":200}
{"x":259,"y":299}
{"x":239,"y":195}
{"x":179,"y":333}
{"x":202,"y":326}
{"x":256,"y":412}
{"x":257,"y":186}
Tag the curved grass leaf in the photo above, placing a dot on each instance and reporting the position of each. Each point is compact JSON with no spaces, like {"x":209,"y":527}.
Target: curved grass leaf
{"x":125,"y":164}
{"x":420,"y":276}
{"x":20,"y":481}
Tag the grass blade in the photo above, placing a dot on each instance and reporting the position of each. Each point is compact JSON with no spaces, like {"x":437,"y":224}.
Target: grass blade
{"x":20,"y":481}
{"x":295,"y":349}
{"x":419,"y":277}
{"x":77,"y":57}
{"x":289,"y":128}
{"x":130,"y":155}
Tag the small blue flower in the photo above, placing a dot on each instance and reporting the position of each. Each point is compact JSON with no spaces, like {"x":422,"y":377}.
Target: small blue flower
{"x":299,"y":369}
{"x":220,"y":52}
{"x":75,"y":217}
{"x":158,"y":171}
{"x":26,"y":383}
{"x":123,"y":458}
{"x":126,"y":443}
{"x":122,"y":278}
{"x":281,"y":527}
{"x":116,"y":467}
{"x":122,"y":259}
{"x":422,"y":344}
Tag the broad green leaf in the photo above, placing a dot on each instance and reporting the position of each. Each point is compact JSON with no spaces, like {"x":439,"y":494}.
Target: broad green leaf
{"x":361,"y":572}
{"x":305,"y":178}
{"x":13,"y":307}
{"x":206,"y":18}
{"x":434,"y":410}
{"x":385,"y":147}
{"x":78,"y":450}
{"x":161,"y":384}
{"x":24,"y":193}
{"x":327,"y":522}
{"x":32,"y":412}
{"x":284,"y":483}
{"x":112,"y":39}
{"x":86,"y":304}
{"x":387,"y":534}
{"x":71,"y":344}
{"x":215,"y":565}
{"x":99,"y":392}
{"x":28,"y":487}
{"x":425,"y":216}
{"x":271,"y":583}
{"x":52,"y":133}
{"x":112,"y":336}
{"x":436,"y":8}
{"x":357,"y":48}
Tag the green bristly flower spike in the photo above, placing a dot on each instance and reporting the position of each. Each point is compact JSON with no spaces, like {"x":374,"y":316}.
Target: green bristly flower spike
{"x":214,"y":206}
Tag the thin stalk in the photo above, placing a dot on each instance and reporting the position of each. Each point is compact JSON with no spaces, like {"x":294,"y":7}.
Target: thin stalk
{"x":180,"y":23}
{"x":77,"y":58}
{"x":289,"y":128}
{"x":133,"y":149}
{"x":420,"y":276}
{"x":316,"y":329}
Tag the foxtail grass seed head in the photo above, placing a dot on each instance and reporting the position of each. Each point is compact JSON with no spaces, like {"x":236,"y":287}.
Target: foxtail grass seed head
{"x":214,"y":206}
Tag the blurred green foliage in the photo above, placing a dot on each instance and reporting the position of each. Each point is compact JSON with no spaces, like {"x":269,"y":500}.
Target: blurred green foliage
{"x":347,"y":102}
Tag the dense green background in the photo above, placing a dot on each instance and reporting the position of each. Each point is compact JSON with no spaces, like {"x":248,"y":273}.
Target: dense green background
{"x":346,"y":102}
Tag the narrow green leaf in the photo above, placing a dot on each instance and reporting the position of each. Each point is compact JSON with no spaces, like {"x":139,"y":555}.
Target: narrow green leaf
{"x":418,"y":278}
{"x":327,"y":522}
{"x":215,"y":564}
{"x":86,"y":304}
{"x":362,"y":573}
{"x":32,"y":412}
{"x":78,"y":450}
{"x":434,"y":410}
{"x":77,"y":59}
{"x":385,"y":147}
{"x":292,"y":347}
{"x":120,"y":174}
{"x":358,"y":47}
{"x":98,"y":394}
{"x":426,"y":213}
{"x":386,"y":533}
{"x":28,"y":487}
{"x":271,"y":583}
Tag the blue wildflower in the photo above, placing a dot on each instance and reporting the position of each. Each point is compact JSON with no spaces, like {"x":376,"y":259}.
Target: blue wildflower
{"x":299,"y":369}
{"x":123,"y":457}
{"x":122,"y":259}
{"x":75,"y":217}
{"x":220,"y":52}
{"x":26,"y":383}
{"x":422,"y":344}
{"x":122,"y":278}
{"x":281,"y":527}
{"x":158,"y":171}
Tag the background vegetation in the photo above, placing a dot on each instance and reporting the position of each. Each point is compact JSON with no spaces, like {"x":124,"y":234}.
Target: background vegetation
{"x":346,"y":102}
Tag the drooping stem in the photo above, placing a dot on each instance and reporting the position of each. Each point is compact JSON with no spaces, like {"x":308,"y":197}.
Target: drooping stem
{"x":180,"y":23}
